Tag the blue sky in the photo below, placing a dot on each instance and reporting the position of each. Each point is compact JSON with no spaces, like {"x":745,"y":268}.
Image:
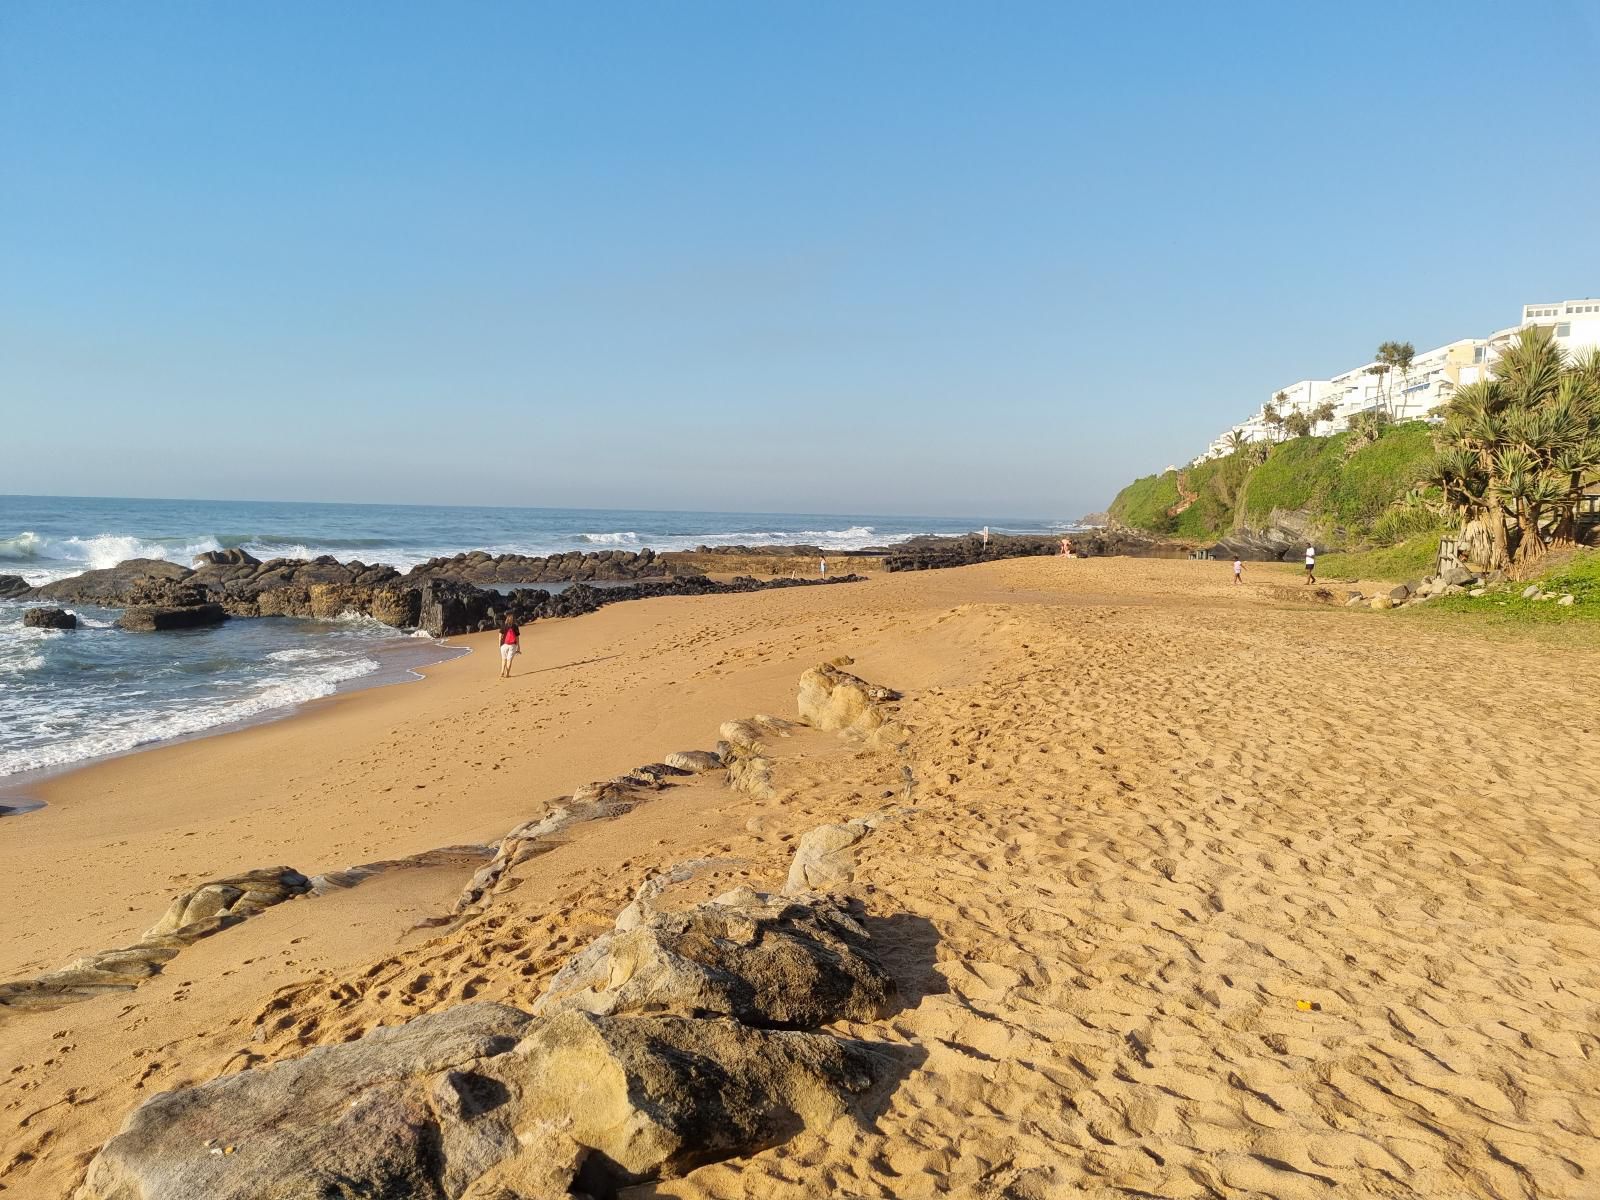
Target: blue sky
{"x":879,"y":257}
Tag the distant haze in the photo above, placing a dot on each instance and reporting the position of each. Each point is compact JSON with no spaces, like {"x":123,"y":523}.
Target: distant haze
{"x":818,"y":257}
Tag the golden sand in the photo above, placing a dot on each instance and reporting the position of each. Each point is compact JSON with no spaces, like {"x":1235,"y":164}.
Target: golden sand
{"x":1207,"y":892}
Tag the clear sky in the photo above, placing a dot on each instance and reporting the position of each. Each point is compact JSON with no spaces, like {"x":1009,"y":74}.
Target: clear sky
{"x":921,"y":257}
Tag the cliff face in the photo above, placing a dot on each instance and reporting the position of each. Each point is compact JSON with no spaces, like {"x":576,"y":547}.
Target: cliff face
{"x":1328,"y":491}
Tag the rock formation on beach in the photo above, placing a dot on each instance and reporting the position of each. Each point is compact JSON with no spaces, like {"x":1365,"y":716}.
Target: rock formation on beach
{"x":679,"y":1038}
{"x":481,"y":567}
{"x":925,"y":553}
{"x":49,"y":618}
{"x":163,"y":595}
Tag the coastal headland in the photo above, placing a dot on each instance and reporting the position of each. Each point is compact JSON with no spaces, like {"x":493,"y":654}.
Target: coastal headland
{"x":1160,"y":885}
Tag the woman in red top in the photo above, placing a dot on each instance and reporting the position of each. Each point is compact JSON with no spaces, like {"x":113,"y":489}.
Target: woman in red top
{"x":510,"y":646}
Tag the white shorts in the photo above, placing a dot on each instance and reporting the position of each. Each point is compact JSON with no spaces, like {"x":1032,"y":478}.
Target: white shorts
{"x":507,"y":652}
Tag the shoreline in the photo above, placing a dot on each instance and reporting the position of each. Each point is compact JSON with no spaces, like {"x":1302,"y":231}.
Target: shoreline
{"x":18,"y":791}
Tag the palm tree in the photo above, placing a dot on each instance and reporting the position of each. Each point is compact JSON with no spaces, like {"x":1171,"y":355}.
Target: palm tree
{"x":1402,"y":354}
{"x":1380,"y":370}
{"x":1392,"y":356}
{"x":1236,"y":441}
{"x":1522,"y":445}
{"x":1272,"y":414}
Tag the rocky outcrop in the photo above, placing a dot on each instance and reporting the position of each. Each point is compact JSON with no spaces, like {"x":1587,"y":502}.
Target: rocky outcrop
{"x":928,"y":553}
{"x":49,"y":618}
{"x":146,"y":618}
{"x":354,"y":1119}
{"x":112,"y":587}
{"x":833,"y":699}
{"x":224,"y":902}
{"x":12,"y":586}
{"x":763,"y":960}
{"x":1283,"y":537}
{"x":695,"y":762}
{"x":484,"y":1102}
{"x":326,"y":588}
{"x":484,"y":569}
{"x":675,"y":1040}
{"x":656,"y":1096}
{"x":825,"y":858}
{"x":195,"y":914}
{"x":227,"y":558}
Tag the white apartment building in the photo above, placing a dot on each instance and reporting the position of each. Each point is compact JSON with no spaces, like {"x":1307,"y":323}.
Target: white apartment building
{"x":1428,"y":384}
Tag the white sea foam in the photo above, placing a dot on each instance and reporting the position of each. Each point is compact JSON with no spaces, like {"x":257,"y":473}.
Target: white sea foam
{"x":109,"y":549}
{"x":25,"y":545}
{"x":116,"y":732}
{"x":621,"y":538}
{"x":297,"y":655}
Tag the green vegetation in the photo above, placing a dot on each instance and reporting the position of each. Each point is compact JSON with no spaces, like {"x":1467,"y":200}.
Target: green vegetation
{"x":1411,"y":559}
{"x":1578,"y":577}
{"x":1519,"y":450}
{"x":1143,"y":504}
{"x":1354,"y":484}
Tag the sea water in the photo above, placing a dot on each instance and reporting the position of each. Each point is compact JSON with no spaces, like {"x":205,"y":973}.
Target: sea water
{"x":66,"y":697}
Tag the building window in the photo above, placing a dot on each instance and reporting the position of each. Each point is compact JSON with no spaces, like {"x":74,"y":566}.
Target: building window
{"x":1564,"y":329}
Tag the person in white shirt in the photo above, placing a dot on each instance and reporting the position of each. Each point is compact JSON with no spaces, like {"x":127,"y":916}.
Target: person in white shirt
{"x":1311,"y":564}
{"x":1238,"y":570}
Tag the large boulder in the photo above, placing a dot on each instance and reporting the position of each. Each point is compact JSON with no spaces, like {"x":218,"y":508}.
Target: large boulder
{"x":227,"y":901}
{"x":49,"y":618}
{"x":233,"y":557}
{"x":12,"y":586}
{"x":148,"y":618}
{"x":110,"y":587}
{"x":695,"y":762}
{"x":763,"y":960}
{"x":834,"y":699}
{"x":655,"y":1097}
{"x":342,"y":1121}
{"x":825,"y":859}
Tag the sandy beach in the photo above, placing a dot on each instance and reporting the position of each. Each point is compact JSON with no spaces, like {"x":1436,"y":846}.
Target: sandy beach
{"x":1193,"y":890}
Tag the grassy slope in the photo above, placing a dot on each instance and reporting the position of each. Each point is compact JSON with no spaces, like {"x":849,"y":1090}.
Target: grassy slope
{"x":1411,"y":559}
{"x":1352,"y":493}
{"x":1576,"y":574}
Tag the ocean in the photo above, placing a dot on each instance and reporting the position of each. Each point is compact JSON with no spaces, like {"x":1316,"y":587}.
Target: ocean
{"x":69,"y":697}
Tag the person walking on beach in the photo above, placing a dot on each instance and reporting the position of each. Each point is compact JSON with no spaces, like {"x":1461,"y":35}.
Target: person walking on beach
{"x":823,"y":569}
{"x":510,"y":645}
{"x":985,"y":537}
{"x":1311,"y":564}
{"x":1238,"y":570}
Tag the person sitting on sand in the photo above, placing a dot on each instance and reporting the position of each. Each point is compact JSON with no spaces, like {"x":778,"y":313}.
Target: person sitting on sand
{"x":510,"y":645}
{"x":1238,"y":570}
{"x":1311,"y":564}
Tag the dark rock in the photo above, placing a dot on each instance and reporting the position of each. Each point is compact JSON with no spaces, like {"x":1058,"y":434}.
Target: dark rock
{"x":12,"y":586}
{"x":110,"y":586}
{"x":656,"y":1096}
{"x":478,"y":567}
{"x":162,"y":595}
{"x":227,"y":558}
{"x":925,"y":553}
{"x":49,"y":618}
{"x":764,"y":960}
{"x":1400,"y":591}
{"x":152,"y":619}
